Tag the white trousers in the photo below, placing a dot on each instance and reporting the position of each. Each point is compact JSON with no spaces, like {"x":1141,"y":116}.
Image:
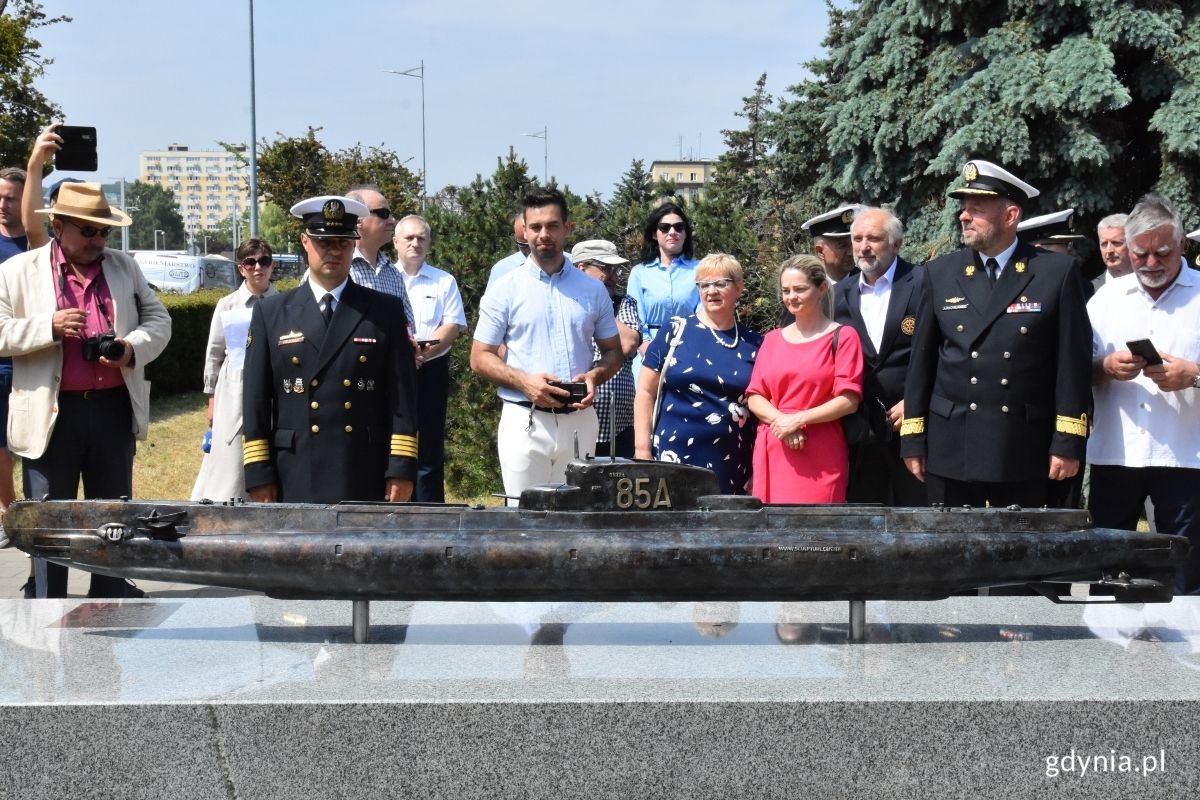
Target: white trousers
{"x":535,"y":449}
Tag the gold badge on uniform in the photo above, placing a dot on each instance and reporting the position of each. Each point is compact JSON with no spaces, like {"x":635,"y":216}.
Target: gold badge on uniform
{"x":1020,"y":267}
{"x":291,"y":337}
{"x":970,"y":171}
{"x":1024,"y":299}
{"x":969,"y":271}
{"x":847,"y":217}
{"x":908,"y":325}
{"x":249,"y":339}
{"x":298,"y":386}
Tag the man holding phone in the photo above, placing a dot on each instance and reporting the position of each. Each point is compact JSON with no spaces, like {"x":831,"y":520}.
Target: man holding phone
{"x":81,"y":323}
{"x":437,"y":321}
{"x":1146,"y":385}
{"x":546,"y":313}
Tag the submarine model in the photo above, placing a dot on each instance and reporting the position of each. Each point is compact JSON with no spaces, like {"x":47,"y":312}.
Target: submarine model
{"x":616,"y":530}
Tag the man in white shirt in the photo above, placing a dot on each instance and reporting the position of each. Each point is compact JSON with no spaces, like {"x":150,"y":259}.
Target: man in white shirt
{"x":437,"y":321}
{"x":881,"y":303}
{"x":1146,"y":440}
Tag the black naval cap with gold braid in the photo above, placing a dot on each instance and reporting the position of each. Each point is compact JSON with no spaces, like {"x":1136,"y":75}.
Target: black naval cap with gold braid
{"x":330,"y":216}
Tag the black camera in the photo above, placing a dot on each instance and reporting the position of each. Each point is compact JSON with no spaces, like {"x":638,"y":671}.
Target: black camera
{"x":105,"y":344}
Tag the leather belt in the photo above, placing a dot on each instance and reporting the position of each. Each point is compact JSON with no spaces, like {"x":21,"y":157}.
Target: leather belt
{"x":527,"y":404}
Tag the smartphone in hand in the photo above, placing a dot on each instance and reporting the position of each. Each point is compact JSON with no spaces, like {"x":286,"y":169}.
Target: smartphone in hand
{"x":78,"y":151}
{"x":1146,"y":349}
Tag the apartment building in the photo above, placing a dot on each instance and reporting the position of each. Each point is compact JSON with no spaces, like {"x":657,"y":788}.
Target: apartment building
{"x":209,"y":185}
{"x":689,"y":176}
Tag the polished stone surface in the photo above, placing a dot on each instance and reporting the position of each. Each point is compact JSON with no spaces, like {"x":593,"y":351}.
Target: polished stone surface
{"x":253,"y":697}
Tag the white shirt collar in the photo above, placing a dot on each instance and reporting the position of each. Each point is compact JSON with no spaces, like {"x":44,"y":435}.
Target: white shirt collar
{"x":889,"y":276}
{"x":320,"y":291}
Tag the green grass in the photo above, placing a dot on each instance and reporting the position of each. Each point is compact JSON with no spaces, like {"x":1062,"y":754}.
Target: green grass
{"x":169,"y":460}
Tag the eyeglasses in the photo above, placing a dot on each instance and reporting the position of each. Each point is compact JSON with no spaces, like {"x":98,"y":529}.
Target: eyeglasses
{"x":720,"y":284}
{"x":609,"y":268}
{"x":382,"y":213}
{"x":667,"y":227}
{"x":262,"y":261}
{"x":89,"y":231}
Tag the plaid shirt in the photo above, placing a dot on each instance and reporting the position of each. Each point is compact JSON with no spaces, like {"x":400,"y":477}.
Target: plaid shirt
{"x":620,"y":387}
{"x":383,"y":277}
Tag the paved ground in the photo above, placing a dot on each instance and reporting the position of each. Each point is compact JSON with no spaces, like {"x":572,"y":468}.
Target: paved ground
{"x":14,"y":571}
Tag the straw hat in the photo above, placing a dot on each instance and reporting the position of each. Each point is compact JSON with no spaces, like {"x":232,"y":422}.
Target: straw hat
{"x":86,"y":201}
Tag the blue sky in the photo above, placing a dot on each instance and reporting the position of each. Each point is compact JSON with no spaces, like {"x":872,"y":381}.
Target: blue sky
{"x":611,"y":81}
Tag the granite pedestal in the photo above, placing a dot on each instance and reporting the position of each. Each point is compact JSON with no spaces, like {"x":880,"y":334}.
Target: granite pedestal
{"x":257,"y":698}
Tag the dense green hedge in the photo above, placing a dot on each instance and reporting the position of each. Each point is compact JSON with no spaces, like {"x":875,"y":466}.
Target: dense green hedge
{"x":180,"y":367}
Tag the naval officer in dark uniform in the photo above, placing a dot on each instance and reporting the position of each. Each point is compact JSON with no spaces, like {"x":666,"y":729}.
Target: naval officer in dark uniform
{"x":329,"y":398}
{"x":998,"y":385}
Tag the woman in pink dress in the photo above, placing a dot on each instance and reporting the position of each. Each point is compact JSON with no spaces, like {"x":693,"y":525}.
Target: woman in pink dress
{"x":800,"y":390}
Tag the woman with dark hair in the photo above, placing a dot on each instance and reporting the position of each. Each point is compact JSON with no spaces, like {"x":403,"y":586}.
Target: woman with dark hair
{"x":807,"y":377}
{"x":221,"y":475}
{"x":664,"y":284}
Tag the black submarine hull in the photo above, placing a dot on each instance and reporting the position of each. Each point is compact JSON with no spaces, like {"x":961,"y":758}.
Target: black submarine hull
{"x":724,"y":548}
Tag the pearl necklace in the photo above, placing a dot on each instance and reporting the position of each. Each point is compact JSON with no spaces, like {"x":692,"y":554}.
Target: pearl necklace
{"x":736,"y":335}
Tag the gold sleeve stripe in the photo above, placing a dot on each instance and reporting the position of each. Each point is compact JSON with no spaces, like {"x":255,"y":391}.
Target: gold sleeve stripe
{"x":409,"y":452}
{"x":1072,"y":426}
{"x":912,"y":427}
{"x":404,"y":440}
{"x":255,"y":451}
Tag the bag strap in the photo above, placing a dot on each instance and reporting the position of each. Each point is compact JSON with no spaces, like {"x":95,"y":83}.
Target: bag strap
{"x":833,"y":344}
{"x":677,"y":327}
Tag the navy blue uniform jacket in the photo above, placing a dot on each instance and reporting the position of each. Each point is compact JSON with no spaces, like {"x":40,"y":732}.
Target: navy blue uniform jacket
{"x":1000,"y":378}
{"x":329,"y":414}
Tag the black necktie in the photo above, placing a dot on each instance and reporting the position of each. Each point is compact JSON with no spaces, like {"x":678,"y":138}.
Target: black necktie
{"x":327,"y":313}
{"x":993,"y":270}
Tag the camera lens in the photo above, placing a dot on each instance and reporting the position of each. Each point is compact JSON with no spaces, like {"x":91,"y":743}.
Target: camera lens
{"x":111,"y":349}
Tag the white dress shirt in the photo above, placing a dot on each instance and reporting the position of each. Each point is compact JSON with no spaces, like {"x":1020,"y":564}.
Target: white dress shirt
{"x":1137,"y":424}
{"x":435,"y":300}
{"x":874,"y":303}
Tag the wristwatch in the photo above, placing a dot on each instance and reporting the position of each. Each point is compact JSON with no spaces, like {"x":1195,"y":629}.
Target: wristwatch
{"x":1196,"y":381}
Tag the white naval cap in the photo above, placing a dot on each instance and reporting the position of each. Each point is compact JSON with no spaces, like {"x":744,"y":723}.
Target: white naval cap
{"x":1194,"y":235}
{"x":1058,"y":226}
{"x":985,"y":179}
{"x":330,"y":216}
{"x":832,"y":223}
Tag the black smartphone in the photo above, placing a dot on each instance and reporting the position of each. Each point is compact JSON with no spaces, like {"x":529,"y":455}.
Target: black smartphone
{"x":578,"y":390}
{"x":427,"y":342}
{"x":1146,"y":349}
{"x":78,"y":151}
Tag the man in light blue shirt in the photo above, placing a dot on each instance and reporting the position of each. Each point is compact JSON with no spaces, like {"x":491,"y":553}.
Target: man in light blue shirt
{"x":546,"y":313}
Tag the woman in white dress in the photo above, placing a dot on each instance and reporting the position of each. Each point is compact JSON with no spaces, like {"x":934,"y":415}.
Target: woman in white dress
{"x":221,"y":476}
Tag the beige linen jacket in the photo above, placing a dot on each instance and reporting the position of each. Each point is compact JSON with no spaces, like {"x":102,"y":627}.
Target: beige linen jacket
{"x":27,"y":306}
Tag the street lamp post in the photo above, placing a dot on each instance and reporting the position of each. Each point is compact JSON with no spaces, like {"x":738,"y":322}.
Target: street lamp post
{"x":164,"y":239}
{"x":253,"y":139}
{"x":544,"y":135}
{"x":418,"y":72}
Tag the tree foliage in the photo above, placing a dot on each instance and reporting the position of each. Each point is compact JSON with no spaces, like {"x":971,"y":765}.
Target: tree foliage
{"x":1092,"y":101}
{"x":153,"y":208}
{"x":24,"y":110}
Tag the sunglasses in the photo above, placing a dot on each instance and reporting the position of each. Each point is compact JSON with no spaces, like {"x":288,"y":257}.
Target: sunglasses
{"x":262,"y":261}
{"x":614,"y":270}
{"x":382,"y":213}
{"x":89,"y":230}
{"x":721,"y":284}
{"x":667,"y":227}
